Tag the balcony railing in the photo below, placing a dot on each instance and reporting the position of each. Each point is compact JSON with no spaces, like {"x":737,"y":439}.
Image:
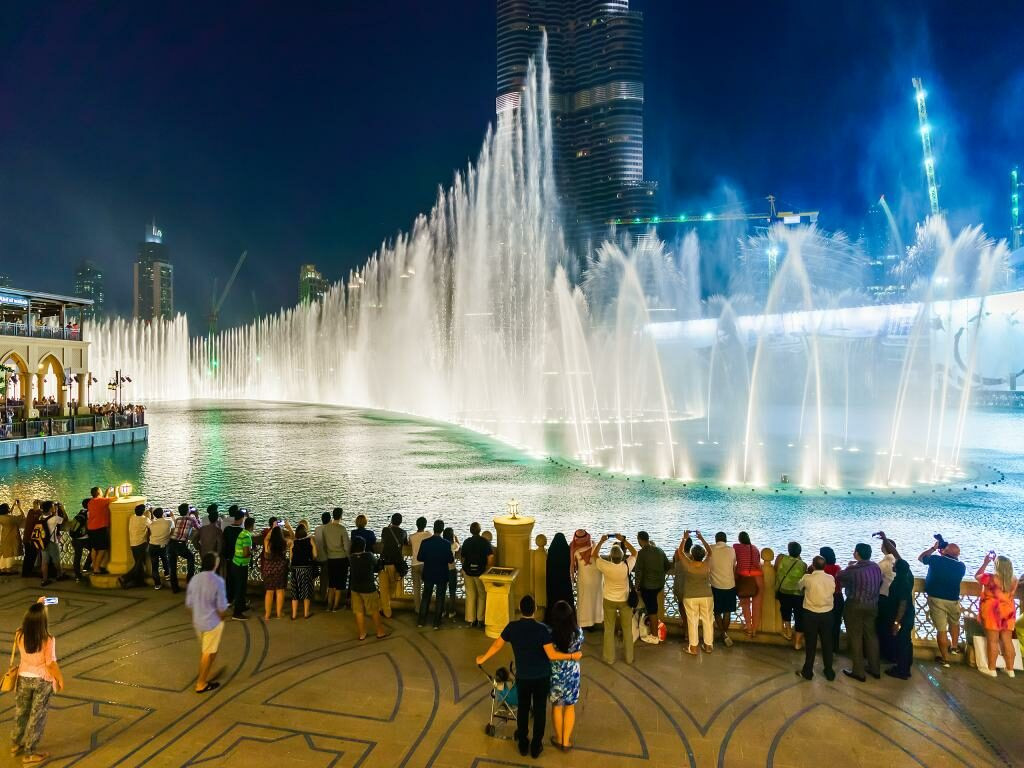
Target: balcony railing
{"x":46,"y":427}
{"x":40,"y":331}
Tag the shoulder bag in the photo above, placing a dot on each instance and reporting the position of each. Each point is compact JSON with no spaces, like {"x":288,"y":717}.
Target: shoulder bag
{"x":401,"y":565}
{"x":778,"y":590}
{"x":10,"y":678}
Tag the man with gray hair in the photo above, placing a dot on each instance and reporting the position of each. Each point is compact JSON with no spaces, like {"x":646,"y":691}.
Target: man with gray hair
{"x":616,"y":595}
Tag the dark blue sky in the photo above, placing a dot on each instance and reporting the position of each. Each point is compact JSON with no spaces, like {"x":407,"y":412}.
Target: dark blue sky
{"x":312,"y":131}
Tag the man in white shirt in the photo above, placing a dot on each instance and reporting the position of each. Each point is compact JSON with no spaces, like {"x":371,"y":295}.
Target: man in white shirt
{"x":160,"y":528}
{"x":616,"y":595}
{"x":723,"y":584}
{"x":138,"y":535}
{"x":819,"y":588}
{"x":415,"y":539}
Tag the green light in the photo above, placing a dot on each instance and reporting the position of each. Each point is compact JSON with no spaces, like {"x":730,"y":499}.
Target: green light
{"x":618,"y":221}
{"x":636,"y":220}
{"x":657,"y":219}
{"x":708,"y":216}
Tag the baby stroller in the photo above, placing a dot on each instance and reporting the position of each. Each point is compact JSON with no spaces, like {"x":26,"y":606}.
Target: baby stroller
{"x":504,"y":700}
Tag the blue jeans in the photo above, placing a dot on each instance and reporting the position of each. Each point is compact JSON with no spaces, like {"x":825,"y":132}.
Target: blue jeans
{"x":178,"y":549}
{"x":428,"y":589}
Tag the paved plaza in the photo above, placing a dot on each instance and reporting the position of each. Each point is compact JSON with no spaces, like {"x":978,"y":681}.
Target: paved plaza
{"x":309,"y":693}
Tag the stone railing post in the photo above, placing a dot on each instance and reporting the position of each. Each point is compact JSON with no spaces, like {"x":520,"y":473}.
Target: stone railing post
{"x":540,"y":573}
{"x":771,"y":618}
{"x":514,"y":552}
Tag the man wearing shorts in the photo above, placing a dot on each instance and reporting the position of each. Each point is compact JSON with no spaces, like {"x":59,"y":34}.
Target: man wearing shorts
{"x":364,"y":567}
{"x":649,"y":576}
{"x":723,"y":584}
{"x":337,"y":544}
{"x":942,"y":585}
{"x":206,"y":597}
{"x":98,"y":525}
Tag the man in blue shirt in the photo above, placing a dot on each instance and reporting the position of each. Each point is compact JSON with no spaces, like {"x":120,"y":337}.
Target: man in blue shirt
{"x":435,"y":553}
{"x":534,"y":649}
{"x":942,"y":585}
{"x":209,"y":603}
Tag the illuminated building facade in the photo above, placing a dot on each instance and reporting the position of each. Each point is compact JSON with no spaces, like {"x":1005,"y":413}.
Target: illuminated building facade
{"x":89,"y":284}
{"x":153,"y":279}
{"x":312,"y":285}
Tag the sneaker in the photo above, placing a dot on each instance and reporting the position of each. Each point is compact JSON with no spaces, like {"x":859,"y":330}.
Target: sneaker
{"x":989,"y":672}
{"x":1009,"y":673}
{"x":727,"y":640}
{"x":158,"y":585}
{"x":942,"y":661}
{"x":240,"y":617}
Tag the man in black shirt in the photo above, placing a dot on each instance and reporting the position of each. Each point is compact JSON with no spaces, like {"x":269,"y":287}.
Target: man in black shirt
{"x":392,"y":539}
{"x":477,"y":557}
{"x":228,"y":547}
{"x":534,"y":650}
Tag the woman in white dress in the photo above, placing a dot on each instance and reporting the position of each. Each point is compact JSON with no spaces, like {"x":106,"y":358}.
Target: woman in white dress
{"x":589,"y":582}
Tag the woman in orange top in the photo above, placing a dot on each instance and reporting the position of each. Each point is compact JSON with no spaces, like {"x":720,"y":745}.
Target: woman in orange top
{"x":998,"y":612}
{"x":38,"y":678}
{"x":749,"y":582}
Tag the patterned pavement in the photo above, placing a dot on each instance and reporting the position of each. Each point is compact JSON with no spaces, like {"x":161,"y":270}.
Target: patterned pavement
{"x":309,"y":693}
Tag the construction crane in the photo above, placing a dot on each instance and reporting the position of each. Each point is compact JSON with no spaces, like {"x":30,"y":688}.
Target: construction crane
{"x":926,"y":145}
{"x":215,"y":303}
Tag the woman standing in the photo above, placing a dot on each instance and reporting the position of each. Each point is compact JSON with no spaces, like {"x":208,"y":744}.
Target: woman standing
{"x":303,"y":557}
{"x":274,"y":567}
{"x":589,"y":582}
{"x":790,"y":568}
{"x":998,"y":613}
{"x":453,"y":575}
{"x":10,"y":536}
{"x":698,"y":601}
{"x":679,"y":561}
{"x":565,"y":675}
{"x":901,"y":625}
{"x":749,"y":583}
{"x":838,"y":601}
{"x":39,"y":677}
{"x":558,"y":581}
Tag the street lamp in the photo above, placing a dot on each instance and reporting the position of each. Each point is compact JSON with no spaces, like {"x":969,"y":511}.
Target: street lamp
{"x":512,"y":507}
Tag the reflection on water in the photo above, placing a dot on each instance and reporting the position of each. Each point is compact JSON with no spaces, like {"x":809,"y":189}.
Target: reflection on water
{"x":300,"y":460}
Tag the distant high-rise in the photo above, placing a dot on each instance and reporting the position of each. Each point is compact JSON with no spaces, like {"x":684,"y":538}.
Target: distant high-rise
{"x":1016,"y":198}
{"x":595,"y":53}
{"x":89,"y":285}
{"x":882,"y":253}
{"x":153,"y":279}
{"x":312,"y":285}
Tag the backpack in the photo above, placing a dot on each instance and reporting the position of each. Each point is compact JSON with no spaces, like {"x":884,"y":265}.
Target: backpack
{"x":40,"y":536}
{"x":77,"y":525}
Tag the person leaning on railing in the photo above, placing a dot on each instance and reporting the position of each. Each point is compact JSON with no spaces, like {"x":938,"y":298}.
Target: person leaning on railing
{"x":998,"y":612}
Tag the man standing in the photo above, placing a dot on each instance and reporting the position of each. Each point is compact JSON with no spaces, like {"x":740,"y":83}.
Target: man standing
{"x":649,"y":573}
{"x":477,"y":557}
{"x":819,"y":592}
{"x":415,"y":540}
{"x":321,"y":556}
{"x":534,"y":649}
{"x":210,"y":538}
{"x":942,"y":585}
{"x":45,"y":541}
{"x":159,"y":539}
{"x":227,"y":552}
{"x":615,"y":594}
{"x":392,"y":539}
{"x":338,"y":545}
{"x":138,"y":540}
{"x":99,"y":528}
{"x":205,"y":596}
{"x":723,"y":585}
{"x":435,"y":553}
{"x":184,"y":524}
{"x":862,"y":579}
{"x":240,"y":568}
{"x":79,"y":532}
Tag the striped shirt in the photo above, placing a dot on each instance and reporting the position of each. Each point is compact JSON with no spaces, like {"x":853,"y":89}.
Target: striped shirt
{"x":183,"y":526}
{"x":748,"y":559}
{"x":862,"y":580}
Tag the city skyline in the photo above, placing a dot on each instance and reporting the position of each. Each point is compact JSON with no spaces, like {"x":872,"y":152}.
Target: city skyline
{"x":187,"y":131}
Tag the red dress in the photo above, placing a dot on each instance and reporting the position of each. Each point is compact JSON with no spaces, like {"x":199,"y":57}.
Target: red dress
{"x":998,"y":612}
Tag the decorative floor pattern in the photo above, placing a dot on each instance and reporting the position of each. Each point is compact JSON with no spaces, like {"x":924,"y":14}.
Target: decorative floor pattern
{"x":309,"y":693}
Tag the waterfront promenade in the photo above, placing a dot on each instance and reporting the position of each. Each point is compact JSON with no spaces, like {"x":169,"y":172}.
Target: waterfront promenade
{"x":308,"y":693}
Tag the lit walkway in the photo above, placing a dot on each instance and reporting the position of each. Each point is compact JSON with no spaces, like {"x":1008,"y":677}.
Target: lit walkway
{"x":310,"y":694}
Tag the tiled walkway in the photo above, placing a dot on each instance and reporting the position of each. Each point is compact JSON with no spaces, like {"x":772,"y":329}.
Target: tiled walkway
{"x":308,"y":693}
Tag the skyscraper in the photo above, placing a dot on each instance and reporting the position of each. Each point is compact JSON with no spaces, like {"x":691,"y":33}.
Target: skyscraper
{"x":595,"y":53}
{"x":1016,"y":198}
{"x":89,"y":285}
{"x":312,"y":285}
{"x":153,"y":283}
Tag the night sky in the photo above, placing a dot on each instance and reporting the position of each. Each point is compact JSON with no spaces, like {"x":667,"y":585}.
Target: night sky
{"x":312,"y":131}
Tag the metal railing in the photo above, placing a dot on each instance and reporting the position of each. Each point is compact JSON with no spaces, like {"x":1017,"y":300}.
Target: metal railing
{"x":67,"y":425}
{"x":40,"y":331}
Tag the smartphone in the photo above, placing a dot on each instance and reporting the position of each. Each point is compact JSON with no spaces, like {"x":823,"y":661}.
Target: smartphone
{"x":991,"y":553}
{"x":49,"y":601}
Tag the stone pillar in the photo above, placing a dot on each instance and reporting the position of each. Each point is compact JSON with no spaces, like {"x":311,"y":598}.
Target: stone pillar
{"x":121,"y":560}
{"x":514,"y":551}
{"x":540,"y":573}
{"x":40,"y":383}
{"x":26,"y":395}
{"x":80,"y":381}
{"x":771,"y":616}
{"x":62,"y":394}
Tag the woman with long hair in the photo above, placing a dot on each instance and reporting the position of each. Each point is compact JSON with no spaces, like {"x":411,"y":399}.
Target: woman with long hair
{"x":901,"y":624}
{"x":274,"y":567}
{"x":749,"y":583}
{"x":303,"y":558}
{"x":39,"y":677}
{"x":565,"y":675}
{"x":558,"y":580}
{"x":998,"y":612}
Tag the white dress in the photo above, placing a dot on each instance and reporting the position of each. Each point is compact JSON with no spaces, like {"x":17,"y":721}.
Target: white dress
{"x":589,"y":591}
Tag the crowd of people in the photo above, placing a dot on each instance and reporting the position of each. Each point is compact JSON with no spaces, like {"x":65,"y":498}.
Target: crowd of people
{"x":621,"y":591}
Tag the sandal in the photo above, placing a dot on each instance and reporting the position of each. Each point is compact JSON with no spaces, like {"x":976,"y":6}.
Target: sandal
{"x":16,"y":749}
{"x":211,"y":686}
{"x":362,"y":637}
{"x":386,"y":634}
{"x":35,"y":758}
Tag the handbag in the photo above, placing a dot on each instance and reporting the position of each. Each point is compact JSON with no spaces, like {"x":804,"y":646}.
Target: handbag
{"x":778,"y":590}
{"x":634,"y":598}
{"x":11,"y":675}
{"x":746,"y":586}
{"x":401,"y":565}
